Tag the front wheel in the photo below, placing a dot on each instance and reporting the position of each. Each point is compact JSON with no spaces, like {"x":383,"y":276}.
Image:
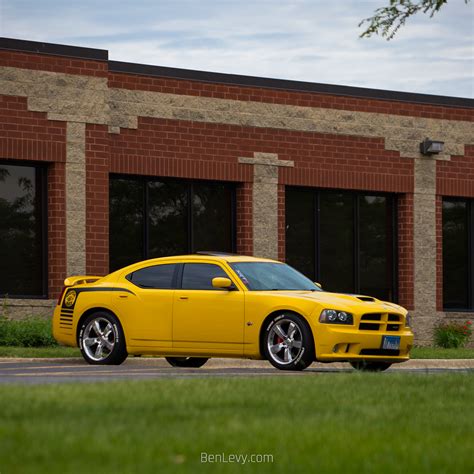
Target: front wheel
{"x":288,"y":342}
{"x":370,"y":366}
{"x":101,"y":339}
{"x":191,"y":362}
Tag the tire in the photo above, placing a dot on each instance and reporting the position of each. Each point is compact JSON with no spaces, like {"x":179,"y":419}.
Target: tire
{"x":190,"y":362}
{"x":288,"y":342}
{"x":366,"y":366}
{"x":101,"y":339}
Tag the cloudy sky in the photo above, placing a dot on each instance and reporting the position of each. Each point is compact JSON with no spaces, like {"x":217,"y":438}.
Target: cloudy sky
{"x":309,"y":40}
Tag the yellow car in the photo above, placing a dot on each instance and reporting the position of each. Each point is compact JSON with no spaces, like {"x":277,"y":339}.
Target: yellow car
{"x":193,"y":307}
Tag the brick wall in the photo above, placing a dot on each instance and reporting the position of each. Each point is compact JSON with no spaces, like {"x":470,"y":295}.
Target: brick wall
{"x":456,"y":177}
{"x":405,"y":251}
{"x":244,"y":234}
{"x":273,"y":96}
{"x":30,"y":136}
{"x":41,"y":62}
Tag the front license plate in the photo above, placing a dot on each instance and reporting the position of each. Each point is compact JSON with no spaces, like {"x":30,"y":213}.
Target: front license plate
{"x":391,"y":343}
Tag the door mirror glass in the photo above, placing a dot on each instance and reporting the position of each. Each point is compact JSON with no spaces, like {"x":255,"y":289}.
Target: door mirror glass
{"x":220,"y":282}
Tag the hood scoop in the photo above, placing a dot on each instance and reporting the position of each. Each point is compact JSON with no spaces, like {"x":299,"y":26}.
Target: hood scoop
{"x":365,"y":298}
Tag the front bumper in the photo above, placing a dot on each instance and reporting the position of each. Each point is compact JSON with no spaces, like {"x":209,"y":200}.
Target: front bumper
{"x":346,"y":343}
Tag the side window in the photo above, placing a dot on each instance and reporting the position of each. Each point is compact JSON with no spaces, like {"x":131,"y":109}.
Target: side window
{"x":198,"y":276}
{"x":158,"y":276}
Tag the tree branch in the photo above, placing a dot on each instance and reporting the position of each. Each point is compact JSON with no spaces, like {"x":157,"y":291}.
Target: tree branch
{"x":388,"y":20}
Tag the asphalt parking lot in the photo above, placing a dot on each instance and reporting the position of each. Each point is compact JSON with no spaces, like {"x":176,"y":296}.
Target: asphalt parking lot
{"x":37,"y":371}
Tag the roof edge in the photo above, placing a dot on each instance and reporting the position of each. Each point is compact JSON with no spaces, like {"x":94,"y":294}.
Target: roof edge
{"x":53,"y":49}
{"x":231,"y":79}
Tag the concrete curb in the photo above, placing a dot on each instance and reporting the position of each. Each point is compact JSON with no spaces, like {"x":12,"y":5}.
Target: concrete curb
{"x":220,"y":363}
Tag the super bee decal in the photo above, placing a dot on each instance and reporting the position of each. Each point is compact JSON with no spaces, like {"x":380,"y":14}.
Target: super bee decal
{"x":70,"y":298}
{"x":72,"y":295}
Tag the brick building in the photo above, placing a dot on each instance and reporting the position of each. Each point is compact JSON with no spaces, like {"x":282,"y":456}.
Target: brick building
{"x":103,"y":163}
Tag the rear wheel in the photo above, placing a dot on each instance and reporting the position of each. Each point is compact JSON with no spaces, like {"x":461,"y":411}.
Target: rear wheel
{"x":101,"y":339}
{"x":192,"y":362}
{"x":288,"y":342}
{"x":370,"y":366}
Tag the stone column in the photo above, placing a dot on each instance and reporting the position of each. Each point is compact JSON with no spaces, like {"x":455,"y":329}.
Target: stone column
{"x":76,"y":198}
{"x":265,"y":202}
{"x":424,"y":203}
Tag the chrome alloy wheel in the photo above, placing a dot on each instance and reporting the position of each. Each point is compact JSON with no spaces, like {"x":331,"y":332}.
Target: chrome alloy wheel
{"x":98,"y":340}
{"x":285,"y":341}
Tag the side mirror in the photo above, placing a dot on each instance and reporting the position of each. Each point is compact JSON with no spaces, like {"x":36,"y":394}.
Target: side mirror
{"x":221,"y":282}
{"x":318,"y":285}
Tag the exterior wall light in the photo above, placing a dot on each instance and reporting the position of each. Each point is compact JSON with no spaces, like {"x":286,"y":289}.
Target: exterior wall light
{"x":431,"y":147}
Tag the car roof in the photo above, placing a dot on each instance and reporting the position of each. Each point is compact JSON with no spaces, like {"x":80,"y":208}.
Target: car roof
{"x":210,"y":256}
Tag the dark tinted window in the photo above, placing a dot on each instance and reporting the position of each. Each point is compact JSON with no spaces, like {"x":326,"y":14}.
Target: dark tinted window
{"x":21,"y":231}
{"x":158,"y":276}
{"x":300,"y":226}
{"x":167,"y":218}
{"x":336,"y":241}
{"x":375,"y":242}
{"x":126,"y":222}
{"x":160,"y":217}
{"x":456,"y":254}
{"x":344,"y":240}
{"x":198,"y":276}
{"x":212,"y":217}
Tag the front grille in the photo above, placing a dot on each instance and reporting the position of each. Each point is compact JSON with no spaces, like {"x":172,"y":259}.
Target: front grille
{"x":379,"y":352}
{"x":65,"y":318}
{"x":381,"y":322}
{"x":371,"y":317}
{"x":369,"y":326}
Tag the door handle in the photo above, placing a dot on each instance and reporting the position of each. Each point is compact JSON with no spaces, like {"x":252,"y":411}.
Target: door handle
{"x":183,"y":297}
{"x":123,"y":296}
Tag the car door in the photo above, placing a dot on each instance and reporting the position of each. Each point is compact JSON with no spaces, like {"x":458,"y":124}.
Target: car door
{"x":207,"y":319}
{"x":147,"y":309}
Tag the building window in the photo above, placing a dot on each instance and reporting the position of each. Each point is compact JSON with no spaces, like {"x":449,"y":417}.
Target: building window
{"x":458,"y":261}
{"x":22,"y":231}
{"x":160,"y":217}
{"x":345,"y":240}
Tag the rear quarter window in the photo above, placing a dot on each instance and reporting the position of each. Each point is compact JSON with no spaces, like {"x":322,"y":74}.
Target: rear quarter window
{"x":157,"y":276}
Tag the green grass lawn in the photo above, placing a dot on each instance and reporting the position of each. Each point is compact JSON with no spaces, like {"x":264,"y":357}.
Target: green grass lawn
{"x":53,"y":351}
{"x":348,"y":423}
{"x":440,"y":353}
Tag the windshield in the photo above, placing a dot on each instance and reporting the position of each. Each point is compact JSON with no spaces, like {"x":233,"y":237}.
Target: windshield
{"x":261,"y":276}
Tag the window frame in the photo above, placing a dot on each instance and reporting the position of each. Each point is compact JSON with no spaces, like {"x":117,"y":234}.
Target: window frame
{"x":392,"y":200}
{"x":189,"y":183}
{"x":41,"y":176}
{"x":470,"y":252}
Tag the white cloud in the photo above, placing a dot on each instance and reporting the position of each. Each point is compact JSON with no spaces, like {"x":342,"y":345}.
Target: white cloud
{"x":300,"y":39}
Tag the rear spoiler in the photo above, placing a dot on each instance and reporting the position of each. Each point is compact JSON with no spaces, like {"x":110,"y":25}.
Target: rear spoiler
{"x":80,"y":280}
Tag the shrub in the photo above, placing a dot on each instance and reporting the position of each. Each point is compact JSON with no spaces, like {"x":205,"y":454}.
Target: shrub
{"x":452,"y":334}
{"x":31,"y":332}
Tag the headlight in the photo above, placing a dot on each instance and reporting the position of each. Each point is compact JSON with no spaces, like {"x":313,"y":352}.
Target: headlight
{"x":332,"y":316}
{"x":408,"y":320}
